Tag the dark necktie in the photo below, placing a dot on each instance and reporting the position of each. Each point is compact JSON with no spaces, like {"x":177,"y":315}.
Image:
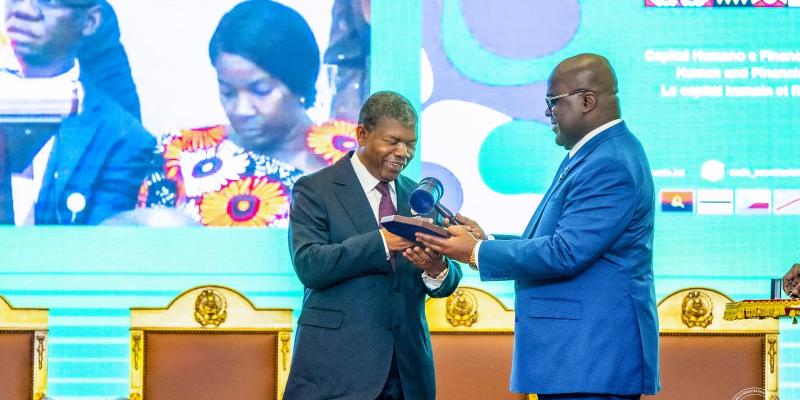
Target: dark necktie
{"x":386,"y":208}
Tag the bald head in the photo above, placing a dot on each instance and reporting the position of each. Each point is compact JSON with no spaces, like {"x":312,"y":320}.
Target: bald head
{"x":589,"y":71}
{"x":590,"y":85}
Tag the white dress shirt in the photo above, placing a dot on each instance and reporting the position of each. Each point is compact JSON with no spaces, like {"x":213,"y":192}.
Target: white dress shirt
{"x":25,"y":186}
{"x":368,"y":183}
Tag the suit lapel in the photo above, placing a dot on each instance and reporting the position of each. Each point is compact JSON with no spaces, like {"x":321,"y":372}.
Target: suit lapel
{"x":569,"y":164}
{"x":538,"y":213}
{"x":352,"y":197}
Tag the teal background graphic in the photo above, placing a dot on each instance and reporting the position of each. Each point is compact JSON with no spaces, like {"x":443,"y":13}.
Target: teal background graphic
{"x":736,"y":254}
{"x":90,"y":277}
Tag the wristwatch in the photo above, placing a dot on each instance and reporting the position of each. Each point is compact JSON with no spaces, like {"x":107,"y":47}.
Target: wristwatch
{"x":473,"y":257}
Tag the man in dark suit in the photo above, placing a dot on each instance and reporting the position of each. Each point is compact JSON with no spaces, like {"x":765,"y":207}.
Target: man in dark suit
{"x":362,"y":333}
{"x":90,"y":166}
{"x":586,"y":324}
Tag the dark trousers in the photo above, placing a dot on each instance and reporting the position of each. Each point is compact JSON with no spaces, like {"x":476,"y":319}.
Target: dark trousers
{"x":392,"y":390}
{"x":587,"y":396}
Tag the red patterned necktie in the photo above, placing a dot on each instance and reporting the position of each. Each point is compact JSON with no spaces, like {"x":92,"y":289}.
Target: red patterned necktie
{"x":386,"y":208}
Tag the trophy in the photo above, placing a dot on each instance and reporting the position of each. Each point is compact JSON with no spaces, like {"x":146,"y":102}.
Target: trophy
{"x":424,"y":199}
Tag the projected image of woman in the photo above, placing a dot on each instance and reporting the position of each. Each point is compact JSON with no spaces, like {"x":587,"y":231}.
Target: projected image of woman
{"x":267,"y":61}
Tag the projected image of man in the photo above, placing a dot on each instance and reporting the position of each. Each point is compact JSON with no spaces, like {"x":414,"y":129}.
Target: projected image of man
{"x":88,"y":167}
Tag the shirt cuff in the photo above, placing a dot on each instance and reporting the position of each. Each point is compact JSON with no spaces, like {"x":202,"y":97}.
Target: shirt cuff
{"x":435,"y":283}
{"x":385,"y":245}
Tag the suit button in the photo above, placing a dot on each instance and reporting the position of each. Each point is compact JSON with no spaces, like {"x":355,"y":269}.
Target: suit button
{"x":389,"y":326}
{"x":395,"y":291}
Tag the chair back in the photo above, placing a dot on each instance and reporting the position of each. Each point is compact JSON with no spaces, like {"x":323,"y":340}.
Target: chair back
{"x":472,"y":335}
{"x":703,"y":356}
{"x":23,"y":352}
{"x":209,"y":343}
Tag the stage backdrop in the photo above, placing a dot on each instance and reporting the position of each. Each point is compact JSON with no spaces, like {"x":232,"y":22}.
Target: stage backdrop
{"x":711,"y":88}
{"x":710,"y":91}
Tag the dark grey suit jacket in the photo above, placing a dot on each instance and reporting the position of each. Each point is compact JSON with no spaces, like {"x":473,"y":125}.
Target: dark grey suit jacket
{"x":356,"y":310}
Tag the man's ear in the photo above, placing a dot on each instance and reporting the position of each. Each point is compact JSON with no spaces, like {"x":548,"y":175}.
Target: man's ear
{"x":361,"y":134}
{"x":589,"y":102}
{"x":94,"y":17}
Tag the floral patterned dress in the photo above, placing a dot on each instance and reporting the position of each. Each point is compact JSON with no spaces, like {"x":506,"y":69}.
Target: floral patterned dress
{"x":217,"y":183}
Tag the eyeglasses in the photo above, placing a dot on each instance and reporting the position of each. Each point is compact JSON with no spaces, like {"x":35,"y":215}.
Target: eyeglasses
{"x":552,"y":100}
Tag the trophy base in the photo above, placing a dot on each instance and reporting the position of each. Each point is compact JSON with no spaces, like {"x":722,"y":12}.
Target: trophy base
{"x":407,"y":227}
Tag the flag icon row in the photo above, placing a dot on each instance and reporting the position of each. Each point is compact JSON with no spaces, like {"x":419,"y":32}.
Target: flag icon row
{"x":729,"y":201}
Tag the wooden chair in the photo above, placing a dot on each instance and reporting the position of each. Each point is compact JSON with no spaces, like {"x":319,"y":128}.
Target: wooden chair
{"x":209,"y":343}
{"x":23,"y":352}
{"x":472,"y":335}
{"x":703,"y":356}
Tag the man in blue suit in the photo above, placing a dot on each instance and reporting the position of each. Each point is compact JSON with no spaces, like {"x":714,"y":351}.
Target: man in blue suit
{"x":90,"y":166}
{"x":586,"y":325}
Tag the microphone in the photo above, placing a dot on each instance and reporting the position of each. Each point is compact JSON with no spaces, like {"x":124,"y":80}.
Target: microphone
{"x":426,"y":196}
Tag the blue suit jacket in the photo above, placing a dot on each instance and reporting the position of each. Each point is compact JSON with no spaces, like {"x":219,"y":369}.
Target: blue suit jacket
{"x":102,"y":154}
{"x":357,"y":311}
{"x":585,"y":301}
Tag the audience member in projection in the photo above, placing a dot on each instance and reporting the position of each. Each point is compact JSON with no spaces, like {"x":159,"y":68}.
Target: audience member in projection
{"x":267,"y":62}
{"x":88,"y":167}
